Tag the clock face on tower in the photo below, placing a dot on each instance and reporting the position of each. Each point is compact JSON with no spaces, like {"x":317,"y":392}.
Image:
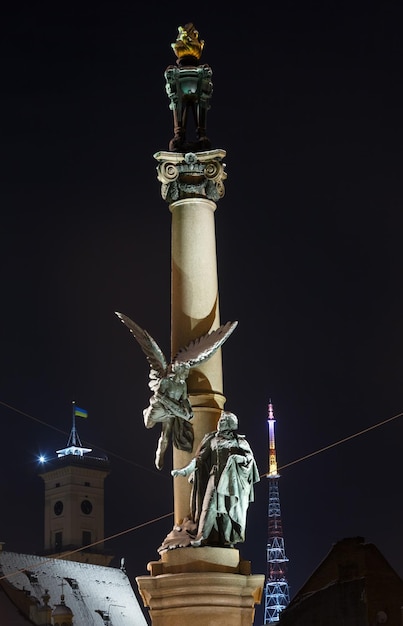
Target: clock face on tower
{"x":58,"y":508}
{"x":86,"y":507}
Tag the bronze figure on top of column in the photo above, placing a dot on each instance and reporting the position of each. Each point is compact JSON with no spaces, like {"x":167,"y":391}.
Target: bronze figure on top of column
{"x":189,"y":88}
{"x":190,"y":168}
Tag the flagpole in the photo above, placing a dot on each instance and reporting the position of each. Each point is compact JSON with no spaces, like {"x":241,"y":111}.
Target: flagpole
{"x":73,"y":430}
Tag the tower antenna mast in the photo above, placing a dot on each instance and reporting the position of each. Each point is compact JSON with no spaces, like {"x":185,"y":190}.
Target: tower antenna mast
{"x":277,"y":595}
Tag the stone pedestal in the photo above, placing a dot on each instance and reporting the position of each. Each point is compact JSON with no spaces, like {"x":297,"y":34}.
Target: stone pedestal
{"x":204,"y":586}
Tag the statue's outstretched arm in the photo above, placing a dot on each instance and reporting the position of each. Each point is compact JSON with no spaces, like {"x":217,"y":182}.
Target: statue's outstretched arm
{"x":185,"y":471}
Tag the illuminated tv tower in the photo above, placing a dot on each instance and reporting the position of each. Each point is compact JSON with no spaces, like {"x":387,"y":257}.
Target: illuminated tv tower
{"x":277,"y":594}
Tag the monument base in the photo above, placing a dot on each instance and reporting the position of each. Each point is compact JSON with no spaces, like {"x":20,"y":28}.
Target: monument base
{"x":206,"y":586}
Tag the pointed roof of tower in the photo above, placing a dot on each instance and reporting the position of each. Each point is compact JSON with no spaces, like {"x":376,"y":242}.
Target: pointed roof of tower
{"x":272,"y":472}
{"x":74,"y":445}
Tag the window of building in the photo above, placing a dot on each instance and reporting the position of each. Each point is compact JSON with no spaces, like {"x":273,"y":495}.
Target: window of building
{"x":58,"y":540}
{"x":86,"y":537}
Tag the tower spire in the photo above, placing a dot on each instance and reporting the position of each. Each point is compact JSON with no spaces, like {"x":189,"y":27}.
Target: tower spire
{"x":272,"y":443}
{"x":74,"y":445}
{"x":277,"y":594}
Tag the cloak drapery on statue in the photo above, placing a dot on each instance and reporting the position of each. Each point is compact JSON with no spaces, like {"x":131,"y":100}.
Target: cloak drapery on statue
{"x":223,"y":473}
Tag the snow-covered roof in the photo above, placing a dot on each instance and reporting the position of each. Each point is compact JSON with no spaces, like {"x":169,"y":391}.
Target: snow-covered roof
{"x":91,"y":591}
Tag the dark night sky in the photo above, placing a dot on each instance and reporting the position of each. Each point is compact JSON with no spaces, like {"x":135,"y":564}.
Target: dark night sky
{"x":307,"y":103}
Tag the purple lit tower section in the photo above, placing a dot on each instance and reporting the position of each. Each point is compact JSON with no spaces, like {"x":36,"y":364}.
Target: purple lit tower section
{"x":277,"y":595}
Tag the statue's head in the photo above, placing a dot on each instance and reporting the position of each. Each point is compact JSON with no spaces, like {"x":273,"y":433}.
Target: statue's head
{"x":227,"y":421}
{"x":187,"y":43}
{"x":180,"y":370}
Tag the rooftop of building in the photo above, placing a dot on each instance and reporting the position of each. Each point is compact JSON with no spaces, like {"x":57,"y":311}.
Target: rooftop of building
{"x":93,"y":593}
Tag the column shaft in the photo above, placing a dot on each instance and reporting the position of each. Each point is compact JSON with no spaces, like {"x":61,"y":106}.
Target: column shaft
{"x":195,"y":312}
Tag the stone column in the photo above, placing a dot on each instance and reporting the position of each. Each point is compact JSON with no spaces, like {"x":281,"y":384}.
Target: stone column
{"x":191,"y":183}
{"x":208,"y":586}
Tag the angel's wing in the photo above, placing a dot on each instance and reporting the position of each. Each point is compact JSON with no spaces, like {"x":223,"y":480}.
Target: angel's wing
{"x":151,"y":349}
{"x":204,"y":347}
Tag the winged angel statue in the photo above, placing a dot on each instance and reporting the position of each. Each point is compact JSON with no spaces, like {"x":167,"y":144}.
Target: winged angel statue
{"x":169,"y":404}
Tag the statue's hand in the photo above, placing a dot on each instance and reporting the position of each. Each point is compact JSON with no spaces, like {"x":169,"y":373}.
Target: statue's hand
{"x":178,"y":472}
{"x":185,"y":471}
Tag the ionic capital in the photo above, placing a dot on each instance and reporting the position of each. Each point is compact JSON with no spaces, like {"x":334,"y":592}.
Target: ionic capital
{"x":191,"y":174}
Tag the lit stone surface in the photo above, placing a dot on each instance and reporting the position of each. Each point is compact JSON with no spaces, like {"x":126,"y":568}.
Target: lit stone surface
{"x":203,"y":559}
{"x":204,"y":598}
{"x":195,"y":311}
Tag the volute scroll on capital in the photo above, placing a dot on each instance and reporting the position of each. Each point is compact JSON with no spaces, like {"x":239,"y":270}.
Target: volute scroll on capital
{"x":191,"y":174}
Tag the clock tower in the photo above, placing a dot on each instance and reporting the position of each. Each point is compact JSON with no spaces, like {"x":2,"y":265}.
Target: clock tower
{"x":74,"y":503}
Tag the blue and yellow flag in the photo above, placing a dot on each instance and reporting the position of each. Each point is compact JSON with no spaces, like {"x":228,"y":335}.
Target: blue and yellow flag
{"x":80,"y":412}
